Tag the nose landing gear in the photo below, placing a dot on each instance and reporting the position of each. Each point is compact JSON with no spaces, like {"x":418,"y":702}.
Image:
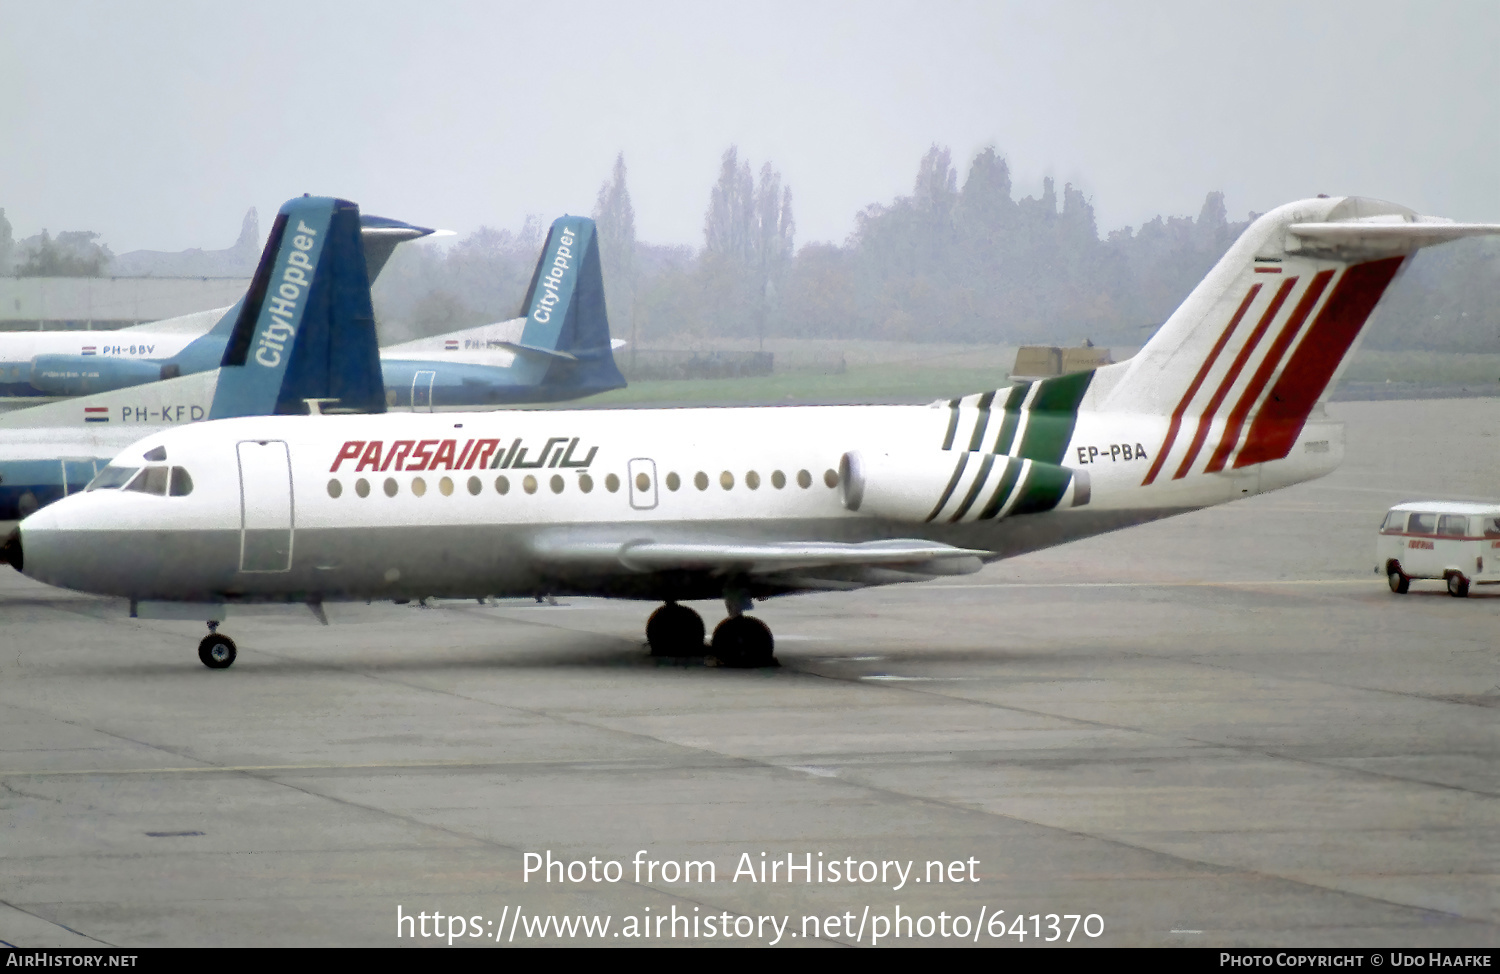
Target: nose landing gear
{"x":216,"y":650}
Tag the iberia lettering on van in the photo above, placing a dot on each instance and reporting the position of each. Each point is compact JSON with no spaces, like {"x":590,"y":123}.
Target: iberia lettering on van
{"x":1419,"y":543}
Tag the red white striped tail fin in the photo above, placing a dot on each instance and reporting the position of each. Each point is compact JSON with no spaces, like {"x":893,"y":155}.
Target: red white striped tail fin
{"x":1241,"y":365}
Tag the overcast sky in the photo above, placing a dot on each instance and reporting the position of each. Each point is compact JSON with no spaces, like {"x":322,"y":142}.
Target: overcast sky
{"x":157,"y":124}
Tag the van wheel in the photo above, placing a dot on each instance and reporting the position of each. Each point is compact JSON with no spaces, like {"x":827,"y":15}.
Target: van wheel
{"x":1458,"y":585}
{"x":1400,"y":583}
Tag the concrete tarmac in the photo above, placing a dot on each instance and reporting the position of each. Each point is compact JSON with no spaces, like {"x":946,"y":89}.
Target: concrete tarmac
{"x":1218,"y":730}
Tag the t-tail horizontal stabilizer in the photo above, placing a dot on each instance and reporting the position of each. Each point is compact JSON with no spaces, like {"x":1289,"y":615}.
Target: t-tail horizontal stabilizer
{"x":306,"y":329}
{"x":378,"y":236}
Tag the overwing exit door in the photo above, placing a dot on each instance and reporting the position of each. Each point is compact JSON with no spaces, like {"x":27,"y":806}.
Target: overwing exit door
{"x":642,"y":484}
{"x":421,"y":392}
{"x":265,"y":506}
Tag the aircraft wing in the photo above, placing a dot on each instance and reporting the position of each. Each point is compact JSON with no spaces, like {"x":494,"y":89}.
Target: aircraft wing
{"x":796,"y":562}
{"x":196,"y":323}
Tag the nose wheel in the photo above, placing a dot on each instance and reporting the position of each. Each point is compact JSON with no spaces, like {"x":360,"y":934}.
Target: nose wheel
{"x":216,"y":650}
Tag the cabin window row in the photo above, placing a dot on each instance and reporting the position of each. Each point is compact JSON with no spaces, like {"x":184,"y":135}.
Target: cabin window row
{"x":751,"y":480}
{"x":557,"y":483}
{"x":530,"y":484}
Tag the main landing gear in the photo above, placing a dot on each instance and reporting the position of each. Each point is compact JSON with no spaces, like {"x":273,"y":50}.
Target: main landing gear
{"x":216,"y":650}
{"x":744,"y":643}
{"x":675,"y":631}
{"x":739,"y":641}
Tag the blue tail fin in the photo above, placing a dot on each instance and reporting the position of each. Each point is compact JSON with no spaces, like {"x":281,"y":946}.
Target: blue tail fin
{"x":306,"y":328}
{"x":566,"y":340}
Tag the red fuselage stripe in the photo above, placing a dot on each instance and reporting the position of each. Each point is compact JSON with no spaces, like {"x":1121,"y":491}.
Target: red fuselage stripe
{"x":1206,"y":420}
{"x":1192,"y":390}
{"x":1274,"y":354}
{"x":1307,"y":374}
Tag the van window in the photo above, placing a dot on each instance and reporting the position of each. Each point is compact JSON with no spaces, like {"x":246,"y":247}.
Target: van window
{"x":1395,"y":522}
{"x":1492,"y":527}
{"x":1423,"y":524}
{"x":152,"y":480}
{"x":1453,"y":526}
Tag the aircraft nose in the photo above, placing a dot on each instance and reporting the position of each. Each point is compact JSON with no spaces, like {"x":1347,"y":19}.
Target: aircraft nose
{"x":28,"y":547}
{"x":10,"y":551}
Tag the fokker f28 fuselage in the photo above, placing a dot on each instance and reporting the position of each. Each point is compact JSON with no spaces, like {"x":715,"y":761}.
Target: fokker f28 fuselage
{"x":1224,"y":402}
{"x":521,"y":502}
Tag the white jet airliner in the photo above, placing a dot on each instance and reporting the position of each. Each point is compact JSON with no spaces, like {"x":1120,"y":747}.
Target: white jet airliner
{"x":1224,"y":402}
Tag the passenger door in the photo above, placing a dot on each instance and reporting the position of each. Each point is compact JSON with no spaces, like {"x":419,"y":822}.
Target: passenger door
{"x":421,"y":392}
{"x":266,"y":515}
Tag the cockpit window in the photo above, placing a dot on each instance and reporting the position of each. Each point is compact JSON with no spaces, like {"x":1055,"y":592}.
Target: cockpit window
{"x":111,"y":478}
{"x":152,"y":480}
{"x":182,"y":484}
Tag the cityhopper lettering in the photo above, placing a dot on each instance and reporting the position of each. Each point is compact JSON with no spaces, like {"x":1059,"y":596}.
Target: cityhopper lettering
{"x":552,"y":280}
{"x":378,"y":456}
{"x":282,"y":303}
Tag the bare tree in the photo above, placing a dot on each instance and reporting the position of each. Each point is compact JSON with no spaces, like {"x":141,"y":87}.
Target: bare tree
{"x":727,"y":226}
{"x":615,"y":218}
{"x":774,"y":232}
{"x":74,"y":253}
{"x":7,"y":245}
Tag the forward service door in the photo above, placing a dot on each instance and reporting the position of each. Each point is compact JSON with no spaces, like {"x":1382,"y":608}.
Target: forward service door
{"x":265,"y":506}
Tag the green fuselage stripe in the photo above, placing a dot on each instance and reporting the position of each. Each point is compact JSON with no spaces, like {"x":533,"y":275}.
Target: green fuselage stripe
{"x":979,"y":478}
{"x":952,"y":424}
{"x":983,"y":422}
{"x":1002,"y":491}
{"x":1044,"y":487}
{"x":958,"y":471}
{"x":1012,"y":417}
{"x":1053,"y":414}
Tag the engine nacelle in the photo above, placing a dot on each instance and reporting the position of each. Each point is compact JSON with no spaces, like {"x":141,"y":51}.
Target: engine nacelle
{"x":82,"y":375}
{"x":948,"y":486}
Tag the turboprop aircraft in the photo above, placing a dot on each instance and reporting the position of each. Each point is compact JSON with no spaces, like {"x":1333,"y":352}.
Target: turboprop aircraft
{"x":522,"y":360}
{"x":52,"y":450}
{"x":1224,"y":402}
{"x":538,"y":356}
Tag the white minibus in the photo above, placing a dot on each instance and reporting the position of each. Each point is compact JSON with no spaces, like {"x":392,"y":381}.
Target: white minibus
{"x":1457,"y":542}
